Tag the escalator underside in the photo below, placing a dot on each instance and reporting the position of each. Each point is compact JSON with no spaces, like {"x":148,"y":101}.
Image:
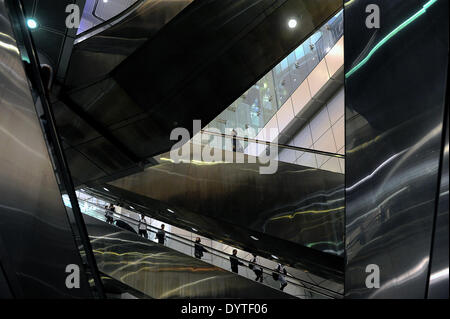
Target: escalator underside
{"x":162,"y":273}
{"x":232,"y":202}
{"x":164,"y":65}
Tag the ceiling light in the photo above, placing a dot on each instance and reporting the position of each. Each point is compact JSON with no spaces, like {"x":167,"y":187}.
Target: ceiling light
{"x":131,"y":207}
{"x":274,"y":257}
{"x":254,"y":238}
{"x":106,"y":189}
{"x":170,"y":211}
{"x":292,"y":23}
{"x":194,"y":229}
{"x":32,"y":24}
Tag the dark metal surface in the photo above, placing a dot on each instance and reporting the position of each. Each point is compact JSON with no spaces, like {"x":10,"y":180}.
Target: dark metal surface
{"x":36,"y":237}
{"x":395,"y":88}
{"x":94,"y":58}
{"x":54,"y":41}
{"x":296,"y":203}
{"x":5,"y":291}
{"x":301,"y":284}
{"x":116,"y":289}
{"x":438,"y":281}
{"x":139,"y":80}
{"x":231,"y":202}
{"x":163,"y":273}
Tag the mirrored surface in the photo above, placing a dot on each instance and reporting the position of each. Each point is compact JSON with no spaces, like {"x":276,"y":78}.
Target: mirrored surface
{"x":395,"y":87}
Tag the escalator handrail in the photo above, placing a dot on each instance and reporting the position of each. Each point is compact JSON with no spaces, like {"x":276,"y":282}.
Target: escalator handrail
{"x":268,"y":274}
{"x":284,"y":146}
{"x":188,"y":242}
{"x":94,"y":193}
{"x":95,"y":28}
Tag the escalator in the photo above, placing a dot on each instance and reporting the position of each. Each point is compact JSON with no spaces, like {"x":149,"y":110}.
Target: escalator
{"x":167,"y":63}
{"x":233,"y":203}
{"x":195,"y":60}
{"x":101,"y":231}
{"x":106,"y":248}
{"x":163,"y":273}
{"x":163,"y":65}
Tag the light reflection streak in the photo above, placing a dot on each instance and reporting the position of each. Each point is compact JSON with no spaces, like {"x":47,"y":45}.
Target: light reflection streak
{"x":390,"y":35}
{"x":9,"y":47}
{"x":378,"y":206}
{"x":290,"y":216}
{"x":408,"y":275}
{"x":440,"y":275}
{"x":390,"y":159}
{"x":168,"y":293}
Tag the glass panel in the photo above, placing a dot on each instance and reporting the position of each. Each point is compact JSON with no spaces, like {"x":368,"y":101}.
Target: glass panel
{"x":257,"y":106}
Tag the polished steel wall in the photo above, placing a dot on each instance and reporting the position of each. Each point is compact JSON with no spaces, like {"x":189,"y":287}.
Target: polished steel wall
{"x":5,"y":291}
{"x":438,"y":281}
{"x":163,"y":273}
{"x":296,"y":203}
{"x":295,"y":214}
{"x":395,"y":88}
{"x":35,"y":236}
{"x":321,"y":264}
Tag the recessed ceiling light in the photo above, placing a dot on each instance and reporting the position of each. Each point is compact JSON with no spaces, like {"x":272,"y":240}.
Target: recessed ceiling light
{"x":106,"y":189}
{"x":274,"y":257}
{"x":170,"y":211}
{"x":105,"y":1}
{"x":292,"y":23}
{"x":131,"y":207}
{"x":254,"y":238}
{"x":194,"y":229}
{"x":32,"y":24}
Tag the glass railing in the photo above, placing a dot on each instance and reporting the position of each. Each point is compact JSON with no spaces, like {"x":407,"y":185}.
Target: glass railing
{"x":253,"y":110}
{"x":298,"y":287}
{"x":249,"y":150}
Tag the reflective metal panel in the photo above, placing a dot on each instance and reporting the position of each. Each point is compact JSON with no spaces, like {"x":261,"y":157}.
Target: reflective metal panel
{"x":93,"y":58}
{"x":395,"y":88}
{"x":438,"y":282}
{"x":322,"y":264}
{"x":297,"y":203}
{"x":233,"y":202}
{"x":161,"y":67}
{"x":5,"y":291}
{"x":34,"y":228}
{"x":163,"y":273}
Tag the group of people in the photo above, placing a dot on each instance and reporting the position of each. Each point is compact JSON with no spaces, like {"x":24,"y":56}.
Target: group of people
{"x":278,"y":274}
{"x":160,"y":234}
{"x":142,"y":224}
{"x":109,"y":215}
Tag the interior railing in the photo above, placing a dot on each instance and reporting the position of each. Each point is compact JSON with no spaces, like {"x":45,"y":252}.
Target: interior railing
{"x":174,"y":240}
{"x":244,"y":145}
{"x":106,"y":23}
